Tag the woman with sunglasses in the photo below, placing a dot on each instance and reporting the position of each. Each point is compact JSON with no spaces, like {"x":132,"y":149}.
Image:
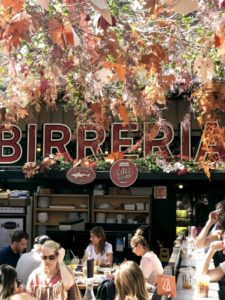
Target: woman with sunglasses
{"x":8,"y":285}
{"x":150,"y":263}
{"x":52,"y":280}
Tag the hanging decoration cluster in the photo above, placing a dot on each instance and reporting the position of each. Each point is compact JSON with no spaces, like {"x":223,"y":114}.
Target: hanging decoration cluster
{"x":111,"y":60}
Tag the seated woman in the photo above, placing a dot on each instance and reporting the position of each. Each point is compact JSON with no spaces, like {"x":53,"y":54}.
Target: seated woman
{"x":217,"y":273}
{"x":52,"y":280}
{"x":150,"y":263}
{"x":99,"y":249}
{"x":8,"y":285}
{"x":213,"y":231}
{"x":130,"y":282}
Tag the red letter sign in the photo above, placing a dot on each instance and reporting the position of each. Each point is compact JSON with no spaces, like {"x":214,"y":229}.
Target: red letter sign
{"x":162,"y":143}
{"x":55,"y":136}
{"x":119,"y":143}
{"x":10,"y":149}
{"x":217,"y":150}
{"x":93,"y":143}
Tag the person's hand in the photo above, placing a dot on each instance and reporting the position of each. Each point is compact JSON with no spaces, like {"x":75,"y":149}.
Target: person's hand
{"x":213,"y":217}
{"x":61,"y":255}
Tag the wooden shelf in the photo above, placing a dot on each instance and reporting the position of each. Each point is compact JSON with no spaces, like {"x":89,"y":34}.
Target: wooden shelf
{"x":121,"y":211}
{"x":117,"y":203}
{"x":65,"y":204}
{"x":63,"y":209}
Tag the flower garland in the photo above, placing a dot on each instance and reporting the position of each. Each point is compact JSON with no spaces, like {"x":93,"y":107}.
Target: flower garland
{"x":151,"y":163}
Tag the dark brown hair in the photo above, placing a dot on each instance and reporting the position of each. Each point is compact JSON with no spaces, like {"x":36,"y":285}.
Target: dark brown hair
{"x":100,"y":233}
{"x":8,"y":277}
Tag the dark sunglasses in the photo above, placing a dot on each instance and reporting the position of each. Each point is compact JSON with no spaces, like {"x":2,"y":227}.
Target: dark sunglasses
{"x":50,"y":257}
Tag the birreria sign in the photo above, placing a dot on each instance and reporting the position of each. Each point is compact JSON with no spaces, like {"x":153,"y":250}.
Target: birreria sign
{"x":91,"y":137}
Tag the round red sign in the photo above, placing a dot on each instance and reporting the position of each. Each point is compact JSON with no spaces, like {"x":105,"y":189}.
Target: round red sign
{"x":123,"y":173}
{"x":81,"y":175}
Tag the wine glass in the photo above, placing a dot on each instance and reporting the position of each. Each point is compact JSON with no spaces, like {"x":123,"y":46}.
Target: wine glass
{"x":184,"y":249}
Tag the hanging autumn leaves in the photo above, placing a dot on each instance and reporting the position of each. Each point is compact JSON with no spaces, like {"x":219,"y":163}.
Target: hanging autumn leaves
{"x":111,"y":62}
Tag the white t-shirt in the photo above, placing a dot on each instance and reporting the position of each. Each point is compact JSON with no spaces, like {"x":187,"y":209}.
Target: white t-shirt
{"x":101,"y":257}
{"x":151,"y":266}
{"x":26,"y":264}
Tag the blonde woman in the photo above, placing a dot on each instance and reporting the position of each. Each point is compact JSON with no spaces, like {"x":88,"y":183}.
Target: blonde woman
{"x":130,"y":282}
{"x":52,"y":280}
{"x":150,"y":263}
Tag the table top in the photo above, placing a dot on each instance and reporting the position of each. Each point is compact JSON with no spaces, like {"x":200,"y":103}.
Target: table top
{"x":191,"y":294}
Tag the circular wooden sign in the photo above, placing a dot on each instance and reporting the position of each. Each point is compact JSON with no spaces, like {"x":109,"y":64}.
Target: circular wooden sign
{"x":123,"y":173}
{"x":81,"y":175}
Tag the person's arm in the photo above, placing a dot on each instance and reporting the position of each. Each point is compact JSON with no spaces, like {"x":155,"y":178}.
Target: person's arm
{"x":217,"y":273}
{"x":66,"y":276}
{"x":109,"y":257}
{"x":203,"y":239}
{"x":109,"y":254}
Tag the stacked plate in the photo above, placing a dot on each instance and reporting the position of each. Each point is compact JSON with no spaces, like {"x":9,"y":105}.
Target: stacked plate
{"x":110,"y":220}
{"x":100,"y":217}
{"x":105,"y":206}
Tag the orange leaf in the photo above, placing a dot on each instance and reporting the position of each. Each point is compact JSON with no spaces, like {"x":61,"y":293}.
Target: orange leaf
{"x":118,"y":68}
{"x":55,"y":29}
{"x":17,"y":29}
{"x":134,"y":147}
{"x":96,"y":109}
{"x":153,"y":132}
{"x":120,"y":71}
{"x":70,"y":35}
{"x":217,"y":41}
{"x":63,"y":34}
{"x":123,"y":114}
{"x":113,"y":156}
{"x":14,"y":5}
{"x":88,"y":163}
{"x":22,"y":113}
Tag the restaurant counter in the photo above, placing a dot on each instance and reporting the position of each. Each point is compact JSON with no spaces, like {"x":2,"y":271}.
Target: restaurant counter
{"x":176,"y":264}
{"x":191,"y":293}
{"x":195,"y":264}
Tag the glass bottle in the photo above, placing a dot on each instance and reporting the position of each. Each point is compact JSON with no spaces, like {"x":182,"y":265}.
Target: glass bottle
{"x":67,"y":258}
{"x":89,"y":292}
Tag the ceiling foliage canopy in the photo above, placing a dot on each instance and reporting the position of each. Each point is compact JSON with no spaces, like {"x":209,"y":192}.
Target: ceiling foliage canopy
{"x":112,"y":60}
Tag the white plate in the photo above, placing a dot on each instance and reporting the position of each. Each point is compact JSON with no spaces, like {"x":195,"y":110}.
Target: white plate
{"x":105,"y":269}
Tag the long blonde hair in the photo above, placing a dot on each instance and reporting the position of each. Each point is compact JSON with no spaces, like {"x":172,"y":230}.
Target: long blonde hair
{"x":130,"y":282}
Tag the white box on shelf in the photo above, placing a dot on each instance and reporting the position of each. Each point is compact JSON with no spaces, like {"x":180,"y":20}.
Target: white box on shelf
{"x":78,"y":225}
{"x":129,"y":206}
{"x":140,"y":206}
{"x":98,"y":192}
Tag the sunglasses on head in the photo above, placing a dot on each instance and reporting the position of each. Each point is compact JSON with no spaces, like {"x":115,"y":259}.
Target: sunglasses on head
{"x":50,"y":257}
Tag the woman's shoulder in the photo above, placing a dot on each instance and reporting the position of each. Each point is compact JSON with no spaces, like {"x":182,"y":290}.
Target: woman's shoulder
{"x":22,"y":296}
{"x":108,"y":246}
{"x":149,"y":253}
